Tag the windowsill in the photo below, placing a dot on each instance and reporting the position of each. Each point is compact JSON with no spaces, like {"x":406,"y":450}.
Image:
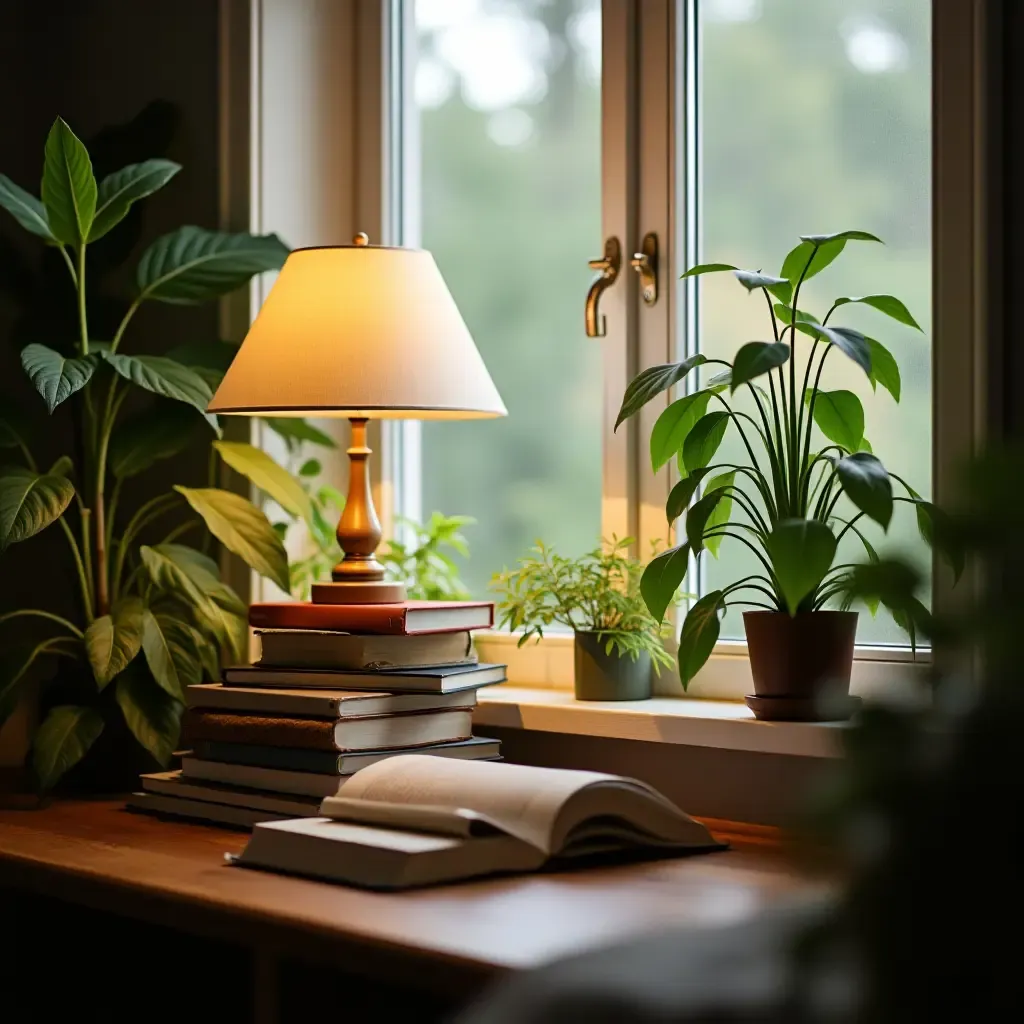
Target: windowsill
{"x":727,"y":725}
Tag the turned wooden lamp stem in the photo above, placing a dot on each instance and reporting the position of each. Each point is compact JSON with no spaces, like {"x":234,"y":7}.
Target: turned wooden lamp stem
{"x":359,"y":530}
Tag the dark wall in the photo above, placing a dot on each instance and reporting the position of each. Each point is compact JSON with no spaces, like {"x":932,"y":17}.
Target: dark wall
{"x":99,"y":64}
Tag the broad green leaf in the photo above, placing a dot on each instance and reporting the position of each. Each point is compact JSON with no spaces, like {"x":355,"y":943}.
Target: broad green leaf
{"x":866,"y":483}
{"x":754,"y":359}
{"x":936,"y":527}
{"x":704,"y":440}
{"x":697,"y":518}
{"x":15,"y":661}
{"x":797,"y":260}
{"x":839,"y":415}
{"x":62,"y":741}
{"x":722,"y":510}
{"x":113,"y":640}
{"x":706,"y":268}
{"x":30,"y":502}
{"x":167,"y":644}
{"x":311,"y":467}
{"x":28,"y":211}
{"x":153,"y":716}
{"x":119,"y":190}
{"x":699,"y":636}
{"x":662,"y":578}
{"x":157,"y":433}
{"x":69,"y":188}
{"x":210,"y":359}
{"x":181,"y":569}
{"x":865,"y":446}
{"x":274,"y":480}
{"x":295,"y":430}
{"x":784,"y":315}
{"x":680,"y":495}
{"x":847,"y":340}
{"x":884,"y":369}
{"x":167,"y":574}
{"x":674,"y":424}
{"x":841,"y":236}
{"x":56,"y":377}
{"x":754,"y":279}
{"x":892,"y":582}
{"x":651,"y":382}
{"x":887,"y":304}
{"x":167,"y":378}
{"x":230,"y":629}
{"x":801,"y":552}
{"x":193,"y":265}
{"x":241,"y":528}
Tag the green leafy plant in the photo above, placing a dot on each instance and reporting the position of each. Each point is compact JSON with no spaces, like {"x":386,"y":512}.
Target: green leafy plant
{"x":781,"y":502}
{"x":422,"y":562}
{"x":598,"y":592}
{"x":152,"y":617}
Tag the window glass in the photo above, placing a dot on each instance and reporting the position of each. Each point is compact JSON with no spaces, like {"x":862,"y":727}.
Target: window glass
{"x":814,"y":117}
{"x":507,"y":102}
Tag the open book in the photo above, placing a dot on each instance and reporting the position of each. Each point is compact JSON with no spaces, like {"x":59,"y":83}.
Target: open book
{"x":416,"y":820}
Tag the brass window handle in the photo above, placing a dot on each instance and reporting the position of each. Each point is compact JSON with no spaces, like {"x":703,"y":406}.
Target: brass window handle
{"x":645,"y":263}
{"x":608,"y":268}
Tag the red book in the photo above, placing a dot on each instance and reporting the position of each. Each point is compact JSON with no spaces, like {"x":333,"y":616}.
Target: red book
{"x":406,"y":619}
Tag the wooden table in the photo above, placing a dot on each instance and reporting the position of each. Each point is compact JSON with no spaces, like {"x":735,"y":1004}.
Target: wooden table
{"x":111,"y":900}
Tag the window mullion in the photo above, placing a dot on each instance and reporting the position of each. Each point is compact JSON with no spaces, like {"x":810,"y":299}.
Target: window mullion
{"x":620,"y":187}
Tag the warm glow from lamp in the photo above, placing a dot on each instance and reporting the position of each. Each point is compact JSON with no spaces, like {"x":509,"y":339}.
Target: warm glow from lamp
{"x":365,"y":332}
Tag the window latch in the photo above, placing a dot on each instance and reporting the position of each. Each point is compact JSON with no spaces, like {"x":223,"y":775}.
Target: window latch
{"x":608,"y":268}
{"x":645,"y":263}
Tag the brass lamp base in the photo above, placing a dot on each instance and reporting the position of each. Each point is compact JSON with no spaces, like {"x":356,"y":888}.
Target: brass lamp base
{"x":377,"y":592}
{"x":358,"y":577}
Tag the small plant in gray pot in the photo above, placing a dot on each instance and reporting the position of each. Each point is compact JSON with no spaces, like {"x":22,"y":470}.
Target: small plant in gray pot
{"x":597,"y":596}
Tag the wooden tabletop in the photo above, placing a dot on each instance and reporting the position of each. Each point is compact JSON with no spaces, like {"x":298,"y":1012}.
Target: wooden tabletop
{"x":97,"y":854}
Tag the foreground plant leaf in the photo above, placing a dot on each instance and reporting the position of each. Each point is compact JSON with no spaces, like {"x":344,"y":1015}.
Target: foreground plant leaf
{"x":674,"y":424}
{"x":840,"y":417}
{"x":117,"y":192}
{"x":165,"y":377}
{"x":112,"y":641}
{"x":241,"y":528}
{"x":169,"y":654}
{"x":193,"y":265}
{"x":62,"y":741}
{"x":29,"y":502}
{"x":153,"y":716}
{"x":69,"y":188}
{"x":258,"y":467}
{"x":28,"y":211}
{"x":56,"y":377}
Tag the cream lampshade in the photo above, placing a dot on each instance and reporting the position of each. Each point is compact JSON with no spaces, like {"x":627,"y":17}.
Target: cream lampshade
{"x":364,"y":332}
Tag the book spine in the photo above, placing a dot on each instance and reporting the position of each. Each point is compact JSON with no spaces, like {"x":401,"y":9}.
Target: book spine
{"x":380,"y":619}
{"x":304,"y":733}
{"x":285,"y":758}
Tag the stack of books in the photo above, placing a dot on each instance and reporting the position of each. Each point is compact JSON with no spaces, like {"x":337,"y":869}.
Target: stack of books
{"x":336,"y":688}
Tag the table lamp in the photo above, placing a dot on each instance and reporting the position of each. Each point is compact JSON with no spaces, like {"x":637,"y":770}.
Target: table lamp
{"x":365,"y":332}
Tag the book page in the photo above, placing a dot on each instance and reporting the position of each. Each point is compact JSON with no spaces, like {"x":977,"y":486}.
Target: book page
{"x":523,"y":800}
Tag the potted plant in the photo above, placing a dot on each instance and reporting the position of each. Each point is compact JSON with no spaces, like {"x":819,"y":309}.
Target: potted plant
{"x":597,"y":596}
{"x":782,"y":500}
{"x":153,"y":614}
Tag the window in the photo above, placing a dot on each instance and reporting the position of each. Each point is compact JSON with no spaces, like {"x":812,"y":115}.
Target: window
{"x":503,"y":186}
{"x":816,"y":117}
{"x":729,"y":127}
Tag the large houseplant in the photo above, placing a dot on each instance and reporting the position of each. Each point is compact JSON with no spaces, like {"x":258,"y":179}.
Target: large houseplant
{"x":781,"y":501}
{"x":597,"y":596}
{"x":151,"y":616}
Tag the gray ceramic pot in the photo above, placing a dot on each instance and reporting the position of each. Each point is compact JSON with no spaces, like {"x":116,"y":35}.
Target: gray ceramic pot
{"x":604,"y":676}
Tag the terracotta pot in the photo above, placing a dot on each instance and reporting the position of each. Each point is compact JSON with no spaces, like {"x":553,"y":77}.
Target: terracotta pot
{"x":600,"y":675}
{"x":801,"y":664}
